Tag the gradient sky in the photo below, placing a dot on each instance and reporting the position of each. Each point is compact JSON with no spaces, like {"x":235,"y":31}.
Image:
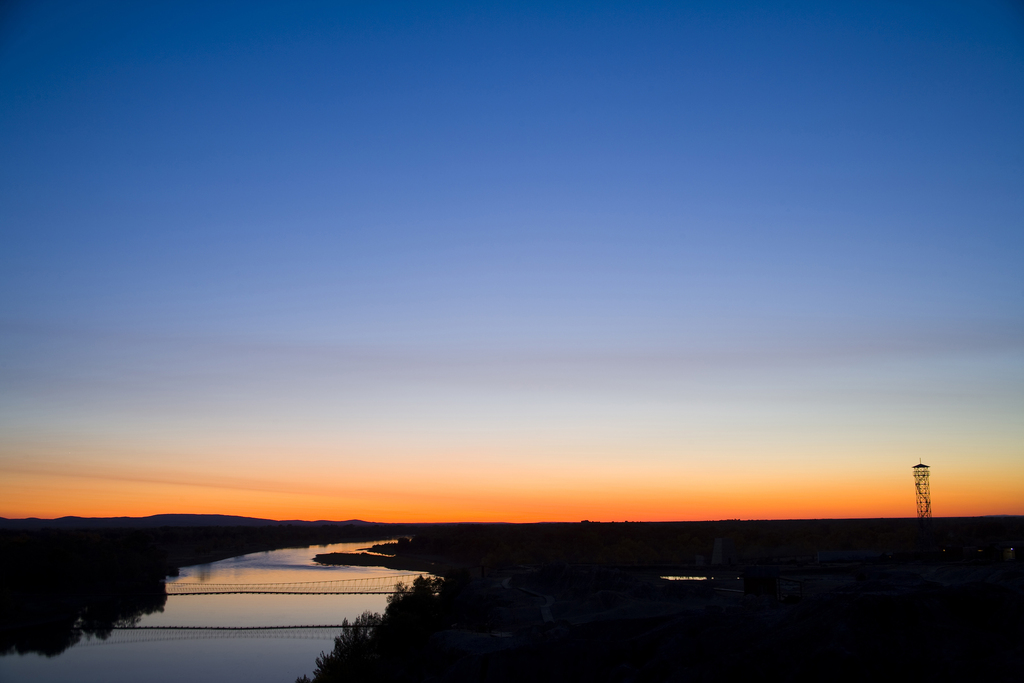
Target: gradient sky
{"x":441,"y":262}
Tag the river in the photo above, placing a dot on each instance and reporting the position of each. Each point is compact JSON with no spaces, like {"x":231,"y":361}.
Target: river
{"x":158,"y":654}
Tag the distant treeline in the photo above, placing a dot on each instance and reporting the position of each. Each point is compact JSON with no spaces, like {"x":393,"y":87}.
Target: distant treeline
{"x":640,"y":543}
{"x":76,"y":561}
{"x":56,"y":586}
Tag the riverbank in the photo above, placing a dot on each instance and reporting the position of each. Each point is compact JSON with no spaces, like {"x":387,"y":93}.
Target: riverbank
{"x":191,"y":559}
{"x":58,"y":585}
{"x":386,"y":561}
{"x":187,"y":546}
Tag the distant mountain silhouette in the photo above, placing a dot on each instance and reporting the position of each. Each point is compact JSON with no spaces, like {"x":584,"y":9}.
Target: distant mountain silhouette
{"x":159,"y":521}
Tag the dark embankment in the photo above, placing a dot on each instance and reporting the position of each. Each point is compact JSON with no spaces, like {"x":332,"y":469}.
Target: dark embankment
{"x":875,"y":632}
{"x":679,"y":543}
{"x":389,"y":562}
{"x":56,"y":586}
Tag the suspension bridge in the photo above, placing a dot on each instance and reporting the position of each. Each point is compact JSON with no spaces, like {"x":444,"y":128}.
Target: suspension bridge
{"x":363,"y":586}
{"x":151,"y":634}
{"x":377,"y":585}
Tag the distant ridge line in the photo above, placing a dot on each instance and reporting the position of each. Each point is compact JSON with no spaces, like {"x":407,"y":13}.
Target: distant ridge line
{"x":187,"y":520}
{"x":156,"y":521}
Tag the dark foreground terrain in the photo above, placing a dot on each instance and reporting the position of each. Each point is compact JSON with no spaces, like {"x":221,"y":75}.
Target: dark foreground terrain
{"x":918,"y":622}
{"x":642,"y":602}
{"x":589,"y":602}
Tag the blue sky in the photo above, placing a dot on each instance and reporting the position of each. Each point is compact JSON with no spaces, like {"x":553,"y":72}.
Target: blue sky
{"x":359,"y":220}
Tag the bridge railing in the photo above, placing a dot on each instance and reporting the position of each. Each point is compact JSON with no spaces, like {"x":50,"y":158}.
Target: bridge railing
{"x":370,"y":585}
{"x":148,"y":634}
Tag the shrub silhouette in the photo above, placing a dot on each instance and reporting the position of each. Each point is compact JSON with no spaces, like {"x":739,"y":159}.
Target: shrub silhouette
{"x":354,"y":654}
{"x":375,"y":646}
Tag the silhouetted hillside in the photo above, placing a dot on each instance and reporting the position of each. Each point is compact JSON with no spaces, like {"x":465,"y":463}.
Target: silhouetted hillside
{"x":156,"y":521}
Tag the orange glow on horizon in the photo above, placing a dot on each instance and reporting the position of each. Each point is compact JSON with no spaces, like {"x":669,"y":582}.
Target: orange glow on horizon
{"x":522,"y":482}
{"x":51,"y":496}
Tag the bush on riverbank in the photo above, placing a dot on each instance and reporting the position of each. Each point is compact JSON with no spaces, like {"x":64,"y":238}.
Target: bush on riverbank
{"x":381,"y":647}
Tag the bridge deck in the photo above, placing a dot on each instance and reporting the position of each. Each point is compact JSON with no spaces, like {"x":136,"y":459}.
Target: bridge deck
{"x":376,"y":585}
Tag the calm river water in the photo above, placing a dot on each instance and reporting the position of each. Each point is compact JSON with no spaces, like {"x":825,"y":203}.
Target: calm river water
{"x":176,"y":656}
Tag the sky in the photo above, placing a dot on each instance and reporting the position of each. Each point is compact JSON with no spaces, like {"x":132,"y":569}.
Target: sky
{"x":511,"y":262}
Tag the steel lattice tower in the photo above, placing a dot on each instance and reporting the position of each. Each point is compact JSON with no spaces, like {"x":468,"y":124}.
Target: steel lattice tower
{"x":924,"y":495}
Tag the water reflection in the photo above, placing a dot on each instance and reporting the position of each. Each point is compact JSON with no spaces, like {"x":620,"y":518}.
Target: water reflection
{"x":283,"y":566}
{"x":89,"y":653}
{"x":263,"y":610}
{"x":94,"y":617}
{"x":203,"y":573}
